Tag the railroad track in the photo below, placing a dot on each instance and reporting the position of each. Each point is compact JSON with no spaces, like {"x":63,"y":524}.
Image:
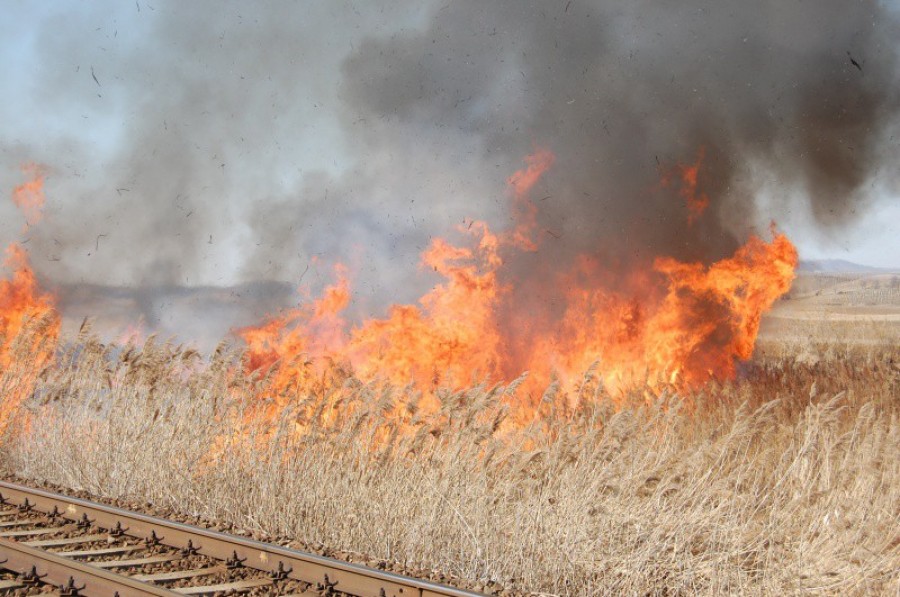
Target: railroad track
{"x":81,"y":548}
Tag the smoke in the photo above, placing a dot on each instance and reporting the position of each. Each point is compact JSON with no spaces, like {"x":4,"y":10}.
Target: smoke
{"x":619,"y":91}
{"x":255,"y":143}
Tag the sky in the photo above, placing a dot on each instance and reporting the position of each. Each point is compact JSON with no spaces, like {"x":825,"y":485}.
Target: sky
{"x":213,"y":143}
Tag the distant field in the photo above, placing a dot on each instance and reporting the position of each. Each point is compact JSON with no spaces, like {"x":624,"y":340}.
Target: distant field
{"x":859,"y":310}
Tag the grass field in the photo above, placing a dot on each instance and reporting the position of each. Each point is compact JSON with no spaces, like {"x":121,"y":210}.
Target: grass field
{"x":826,"y":315}
{"x":783,"y":481}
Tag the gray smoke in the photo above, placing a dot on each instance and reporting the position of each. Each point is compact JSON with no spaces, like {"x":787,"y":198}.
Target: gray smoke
{"x":257,"y":142}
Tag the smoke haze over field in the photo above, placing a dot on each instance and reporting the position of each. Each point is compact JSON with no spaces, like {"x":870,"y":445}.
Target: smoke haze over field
{"x":219,"y":143}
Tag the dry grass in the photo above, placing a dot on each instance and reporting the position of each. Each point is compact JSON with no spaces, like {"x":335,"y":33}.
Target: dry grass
{"x":785,"y":481}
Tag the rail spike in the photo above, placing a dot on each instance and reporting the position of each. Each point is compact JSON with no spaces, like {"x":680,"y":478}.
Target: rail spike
{"x":326,"y":587}
{"x":69,"y":589}
{"x":280,"y":573}
{"x":85,"y":522}
{"x":32,"y":577}
{"x":190,"y":549}
{"x":118,"y":531}
{"x":234,"y":561}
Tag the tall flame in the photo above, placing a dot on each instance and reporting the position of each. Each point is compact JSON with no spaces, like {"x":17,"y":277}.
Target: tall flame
{"x":683,"y":322}
{"x":21,"y":301}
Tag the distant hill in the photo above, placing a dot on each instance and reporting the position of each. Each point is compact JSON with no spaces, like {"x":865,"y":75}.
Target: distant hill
{"x":839,"y":266}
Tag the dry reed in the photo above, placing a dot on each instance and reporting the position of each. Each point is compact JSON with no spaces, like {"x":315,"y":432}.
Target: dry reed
{"x":784,"y":481}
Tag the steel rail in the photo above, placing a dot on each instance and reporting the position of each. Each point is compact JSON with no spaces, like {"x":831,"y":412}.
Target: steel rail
{"x":42,"y":566}
{"x":320,"y":571}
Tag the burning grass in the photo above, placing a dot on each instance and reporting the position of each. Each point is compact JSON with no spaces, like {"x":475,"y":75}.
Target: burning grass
{"x":683,"y":323}
{"x":783,"y":480}
{"x":642,"y":454}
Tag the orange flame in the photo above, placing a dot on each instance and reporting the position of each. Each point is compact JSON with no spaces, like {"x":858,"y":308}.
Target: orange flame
{"x":520,"y":184}
{"x":24,"y":350}
{"x":695,"y":201}
{"x":683,"y":322}
{"x":21,"y":300}
{"x":426,"y":344}
{"x":29,"y":196}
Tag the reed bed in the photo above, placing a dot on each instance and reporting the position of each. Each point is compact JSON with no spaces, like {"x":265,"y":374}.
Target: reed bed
{"x":784,"y":481}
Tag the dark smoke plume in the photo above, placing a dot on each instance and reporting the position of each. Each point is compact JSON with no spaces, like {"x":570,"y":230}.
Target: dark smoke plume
{"x":800,"y":91}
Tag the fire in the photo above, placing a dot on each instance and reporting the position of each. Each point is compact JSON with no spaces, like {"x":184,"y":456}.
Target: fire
{"x":451,"y":336}
{"x":520,"y":184}
{"x":29,"y":196}
{"x":446,"y":337}
{"x":29,"y":325}
{"x":670,"y":322}
{"x":21,"y":302}
{"x":684,"y":323}
{"x":695,"y":201}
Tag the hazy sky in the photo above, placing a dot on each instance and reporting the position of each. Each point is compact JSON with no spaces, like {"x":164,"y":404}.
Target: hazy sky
{"x":217,"y":142}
